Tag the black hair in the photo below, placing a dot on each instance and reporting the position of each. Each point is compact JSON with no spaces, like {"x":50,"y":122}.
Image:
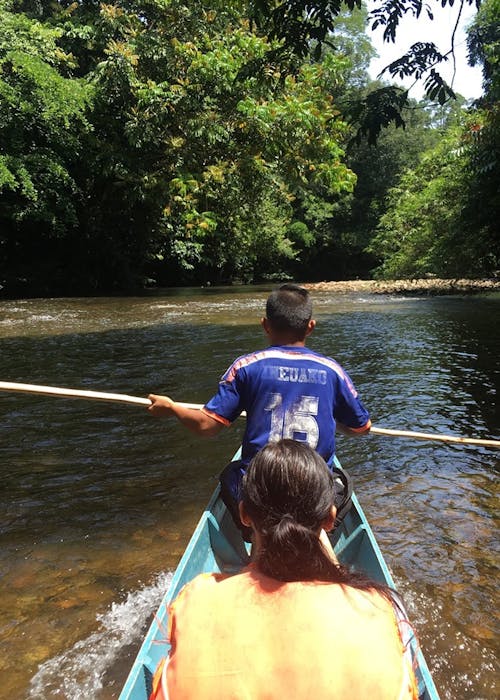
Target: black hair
{"x":288,"y":492}
{"x":289,"y":309}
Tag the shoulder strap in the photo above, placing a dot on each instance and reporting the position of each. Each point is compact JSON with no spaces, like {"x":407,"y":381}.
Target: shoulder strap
{"x":343,"y":492}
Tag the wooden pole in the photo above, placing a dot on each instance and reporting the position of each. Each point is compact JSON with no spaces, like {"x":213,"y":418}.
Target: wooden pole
{"x":72,"y":393}
{"x":124,"y":398}
{"x":434,"y":436}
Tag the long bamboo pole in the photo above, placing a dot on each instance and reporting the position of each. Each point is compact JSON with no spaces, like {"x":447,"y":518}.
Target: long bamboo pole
{"x":72,"y":393}
{"x":125,"y":398}
{"x":433,"y":436}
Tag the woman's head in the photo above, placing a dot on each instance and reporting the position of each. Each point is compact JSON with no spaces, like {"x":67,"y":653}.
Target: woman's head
{"x":288,"y":496}
{"x":288,"y":478}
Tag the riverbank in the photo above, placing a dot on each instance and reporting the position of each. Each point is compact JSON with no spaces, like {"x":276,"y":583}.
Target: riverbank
{"x":429,"y":287}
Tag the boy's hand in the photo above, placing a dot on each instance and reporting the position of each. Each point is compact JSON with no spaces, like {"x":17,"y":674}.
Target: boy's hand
{"x":160,"y":405}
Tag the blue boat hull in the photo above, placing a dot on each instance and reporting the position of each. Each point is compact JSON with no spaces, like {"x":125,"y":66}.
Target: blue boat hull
{"x":216,"y":546}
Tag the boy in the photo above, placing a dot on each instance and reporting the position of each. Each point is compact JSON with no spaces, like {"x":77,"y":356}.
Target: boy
{"x":287,"y":391}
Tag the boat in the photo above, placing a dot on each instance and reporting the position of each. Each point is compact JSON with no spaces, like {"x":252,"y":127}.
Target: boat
{"x":216,"y":546}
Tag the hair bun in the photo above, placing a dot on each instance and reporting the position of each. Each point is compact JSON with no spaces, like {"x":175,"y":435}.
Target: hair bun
{"x":288,"y":525}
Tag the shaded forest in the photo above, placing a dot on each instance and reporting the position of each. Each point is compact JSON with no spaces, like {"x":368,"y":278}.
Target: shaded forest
{"x":159,"y":143}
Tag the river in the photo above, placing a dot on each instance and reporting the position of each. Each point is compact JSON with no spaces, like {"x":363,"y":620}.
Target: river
{"x":97,"y":501}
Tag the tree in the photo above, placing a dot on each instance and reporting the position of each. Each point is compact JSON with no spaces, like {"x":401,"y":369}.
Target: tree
{"x":441,"y":215}
{"x":306,"y":25}
{"x":180,"y":143}
{"x":483,"y":195}
{"x":345,"y":224}
{"x":188,"y":167}
{"x":244,"y":151}
{"x":41,"y":113}
{"x":428,"y":228}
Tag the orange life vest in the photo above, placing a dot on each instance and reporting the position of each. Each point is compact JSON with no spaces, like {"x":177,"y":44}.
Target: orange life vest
{"x":253,"y":638}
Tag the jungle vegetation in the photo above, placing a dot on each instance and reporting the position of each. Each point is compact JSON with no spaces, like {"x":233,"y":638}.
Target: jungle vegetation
{"x":162,"y":142}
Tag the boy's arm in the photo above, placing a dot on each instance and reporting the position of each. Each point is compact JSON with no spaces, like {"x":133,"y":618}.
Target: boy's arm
{"x":350,"y":415}
{"x":193,"y":419}
{"x":346,"y":430}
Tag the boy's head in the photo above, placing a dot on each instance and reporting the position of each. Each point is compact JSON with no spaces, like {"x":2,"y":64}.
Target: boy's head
{"x":288,"y":313}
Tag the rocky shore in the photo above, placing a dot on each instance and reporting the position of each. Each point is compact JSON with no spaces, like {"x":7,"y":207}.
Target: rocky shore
{"x":429,"y":287}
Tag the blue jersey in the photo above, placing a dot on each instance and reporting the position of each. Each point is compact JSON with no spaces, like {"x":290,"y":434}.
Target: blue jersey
{"x":288,"y":392}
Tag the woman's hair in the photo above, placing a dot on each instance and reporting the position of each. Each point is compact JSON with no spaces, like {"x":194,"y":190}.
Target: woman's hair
{"x":288,"y":492}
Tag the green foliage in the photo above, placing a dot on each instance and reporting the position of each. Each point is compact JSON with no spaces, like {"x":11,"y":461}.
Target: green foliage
{"x":378,"y":168}
{"x":305,"y":27}
{"x":186,"y":168}
{"x":483,"y":130}
{"x":378,"y":110}
{"x":297,"y":23}
{"x":41,"y":113}
{"x":151,"y":139}
{"x":442,"y":215}
{"x":227,"y":153}
{"x":428,"y":228}
{"x":483,"y":40}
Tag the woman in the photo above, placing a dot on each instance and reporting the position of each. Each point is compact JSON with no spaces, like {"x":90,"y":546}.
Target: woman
{"x":294,"y":624}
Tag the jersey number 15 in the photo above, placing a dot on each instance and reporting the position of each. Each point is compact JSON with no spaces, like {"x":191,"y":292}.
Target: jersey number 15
{"x":297,"y":422}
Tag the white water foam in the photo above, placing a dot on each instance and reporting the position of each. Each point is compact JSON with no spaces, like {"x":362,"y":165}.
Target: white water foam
{"x":447,"y":649}
{"x":78,"y":673}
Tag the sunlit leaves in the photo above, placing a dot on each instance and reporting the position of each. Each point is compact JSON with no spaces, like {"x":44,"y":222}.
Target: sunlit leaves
{"x":41,"y":113}
{"x":483,"y":40}
{"x":304,"y":27}
{"x":434,"y":224}
{"x":483,"y":129}
{"x":231,"y":149}
{"x":191,"y":143}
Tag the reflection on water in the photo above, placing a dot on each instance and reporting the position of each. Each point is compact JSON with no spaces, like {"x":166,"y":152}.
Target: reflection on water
{"x":98,"y":500}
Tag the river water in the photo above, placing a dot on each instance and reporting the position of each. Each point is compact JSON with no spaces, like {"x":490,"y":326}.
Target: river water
{"x":97,"y":501}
